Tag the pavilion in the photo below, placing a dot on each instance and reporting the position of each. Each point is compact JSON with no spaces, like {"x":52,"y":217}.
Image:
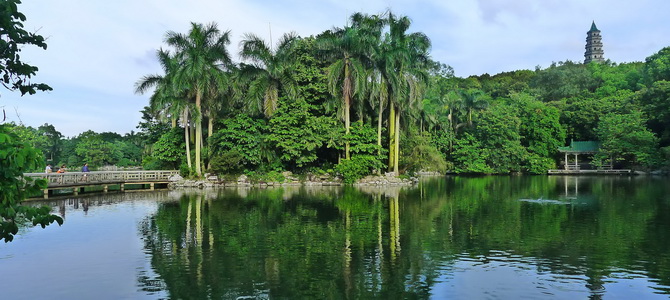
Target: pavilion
{"x":580,"y":148}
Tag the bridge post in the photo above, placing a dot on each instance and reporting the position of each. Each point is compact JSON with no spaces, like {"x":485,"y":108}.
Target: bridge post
{"x":46,"y":193}
{"x":151,"y":186}
{"x":75,"y":191}
{"x":105,"y":188}
{"x":122,"y":186}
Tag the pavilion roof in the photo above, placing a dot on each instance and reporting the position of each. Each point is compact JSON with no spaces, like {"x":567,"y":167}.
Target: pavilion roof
{"x":581,"y":147}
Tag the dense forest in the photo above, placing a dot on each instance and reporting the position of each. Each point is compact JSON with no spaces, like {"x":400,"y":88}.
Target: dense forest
{"x":368,"y":98}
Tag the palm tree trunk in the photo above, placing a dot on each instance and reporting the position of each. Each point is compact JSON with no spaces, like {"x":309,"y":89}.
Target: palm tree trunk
{"x":210,"y":130}
{"x":397,"y":143}
{"x":347,"y":104}
{"x":453,"y":130}
{"x":391,"y":137}
{"x":379,"y":124}
{"x":210,"y":127}
{"x":198,"y":135}
{"x":186,"y":138}
{"x":191,"y":127}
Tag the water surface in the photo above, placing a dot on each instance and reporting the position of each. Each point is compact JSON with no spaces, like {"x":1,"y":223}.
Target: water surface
{"x":449,"y":238}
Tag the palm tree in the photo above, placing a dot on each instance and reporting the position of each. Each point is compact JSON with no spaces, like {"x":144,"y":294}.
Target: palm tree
{"x":369,"y":28}
{"x":473,"y":100}
{"x":450,"y":103}
{"x":403,"y":62}
{"x":349,"y":49}
{"x":201,"y":54}
{"x":169,"y":98}
{"x":269,"y":72}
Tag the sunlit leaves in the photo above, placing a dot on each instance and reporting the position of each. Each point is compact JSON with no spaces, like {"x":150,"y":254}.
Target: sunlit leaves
{"x":18,"y":157}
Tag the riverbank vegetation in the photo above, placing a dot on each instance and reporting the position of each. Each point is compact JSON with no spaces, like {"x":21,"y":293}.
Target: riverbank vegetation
{"x":368,"y":98}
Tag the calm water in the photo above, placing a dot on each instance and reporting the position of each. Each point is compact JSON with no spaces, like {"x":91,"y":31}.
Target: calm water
{"x":450,"y":238}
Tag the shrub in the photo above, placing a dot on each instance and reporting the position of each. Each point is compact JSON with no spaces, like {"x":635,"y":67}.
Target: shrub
{"x":229,"y":162}
{"x":185,"y":171}
{"x":357,"y":167}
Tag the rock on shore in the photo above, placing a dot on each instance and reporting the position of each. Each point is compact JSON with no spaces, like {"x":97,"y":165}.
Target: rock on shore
{"x":289,"y":180}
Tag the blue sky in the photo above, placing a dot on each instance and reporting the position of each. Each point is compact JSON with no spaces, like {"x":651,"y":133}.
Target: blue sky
{"x":97,"y":50}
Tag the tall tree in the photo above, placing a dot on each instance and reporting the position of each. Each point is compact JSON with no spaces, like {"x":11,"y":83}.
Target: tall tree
{"x":201,"y":54}
{"x":349,"y":50}
{"x":406,"y":66}
{"x":269,"y":72}
{"x":170,"y":96}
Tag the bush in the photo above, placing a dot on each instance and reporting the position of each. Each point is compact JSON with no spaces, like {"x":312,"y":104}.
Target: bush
{"x":425,"y":157}
{"x":229,"y":162}
{"x":357,"y":167}
{"x":185,"y":171}
{"x":536,"y":164}
{"x":272,"y":176}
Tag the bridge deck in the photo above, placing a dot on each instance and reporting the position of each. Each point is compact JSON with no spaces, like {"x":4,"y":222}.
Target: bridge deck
{"x":78,"y":180}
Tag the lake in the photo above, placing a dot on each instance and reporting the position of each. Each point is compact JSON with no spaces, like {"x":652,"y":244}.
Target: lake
{"x":495,"y":237}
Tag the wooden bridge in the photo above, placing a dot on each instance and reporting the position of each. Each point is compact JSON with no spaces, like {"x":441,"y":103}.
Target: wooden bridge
{"x":78,"y":180}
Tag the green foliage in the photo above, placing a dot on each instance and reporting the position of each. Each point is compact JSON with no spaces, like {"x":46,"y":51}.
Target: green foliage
{"x":540,"y":128}
{"x":562,"y":80}
{"x":95,"y":151}
{"x":443,"y":141}
{"x":51,"y":145}
{"x":242,"y":135}
{"x":363,"y":140}
{"x":296,"y":134}
{"x":469,"y":156}
{"x":657,"y":66}
{"x":581,"y":114}
{"x":271,"y":71}
{"x":655,"y":101}
{"x":506,"y":83}
{"x":17,"y":157}
{"x":357,"y":167}
{"x":151,"y":129}
{"x":185,"y":171}
{"x":625,"y":137}
{"x":169,"y":150}
{"x":229,"y":162}
{"x":30,"y":136}
{"x":310,"y":73}
{"x":16,"y":74}
{"x":366,"y":154}
{"x":422,"y":155}
{"x":536,"y":164}
{"x":500,"y":135}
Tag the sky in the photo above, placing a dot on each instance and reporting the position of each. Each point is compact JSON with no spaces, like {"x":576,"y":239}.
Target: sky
{"x":97,"y":50}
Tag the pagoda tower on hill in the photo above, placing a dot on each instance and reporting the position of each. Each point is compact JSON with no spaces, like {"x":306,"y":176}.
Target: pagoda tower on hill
{"x":594,"y":45}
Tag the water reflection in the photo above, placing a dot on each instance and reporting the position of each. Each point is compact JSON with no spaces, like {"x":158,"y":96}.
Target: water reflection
{"x":430,"y":241}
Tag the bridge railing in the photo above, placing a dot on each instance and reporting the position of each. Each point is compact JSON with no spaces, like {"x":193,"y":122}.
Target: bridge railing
{"x":100,"y":177}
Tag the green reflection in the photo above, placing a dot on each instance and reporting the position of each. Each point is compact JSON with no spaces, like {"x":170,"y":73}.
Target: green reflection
{"x":374,"y":243}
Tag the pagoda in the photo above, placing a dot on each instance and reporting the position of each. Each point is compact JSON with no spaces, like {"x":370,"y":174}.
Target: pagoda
{"x":594,"y":45}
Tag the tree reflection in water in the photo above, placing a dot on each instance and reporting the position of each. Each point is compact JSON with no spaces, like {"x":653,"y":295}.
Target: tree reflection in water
{"x":373,"y":243}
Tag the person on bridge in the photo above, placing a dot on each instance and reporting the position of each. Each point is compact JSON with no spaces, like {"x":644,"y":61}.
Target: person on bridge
{"x":85,"y":170}
{"x":61,"y":169}
{"x":48,"y":169}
